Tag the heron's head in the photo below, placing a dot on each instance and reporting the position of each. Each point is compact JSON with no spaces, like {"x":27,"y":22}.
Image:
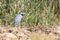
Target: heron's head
{"x":22,"y":13}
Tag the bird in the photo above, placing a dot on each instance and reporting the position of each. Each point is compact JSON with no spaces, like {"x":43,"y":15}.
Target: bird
{"x":18,"y":18}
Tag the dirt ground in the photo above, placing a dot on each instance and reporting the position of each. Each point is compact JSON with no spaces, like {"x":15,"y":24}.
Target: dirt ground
{"x":14,"y":33}
{"x":41,"y":33}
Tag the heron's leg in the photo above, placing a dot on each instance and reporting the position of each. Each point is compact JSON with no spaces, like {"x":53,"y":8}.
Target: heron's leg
{"x":19,"y":24}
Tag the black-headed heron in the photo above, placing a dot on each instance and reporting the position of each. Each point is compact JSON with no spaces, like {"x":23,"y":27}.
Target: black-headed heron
{"x":18,"y":18}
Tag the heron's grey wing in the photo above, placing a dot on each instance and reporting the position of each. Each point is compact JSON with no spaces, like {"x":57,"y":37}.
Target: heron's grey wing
{"x":17,"y":19}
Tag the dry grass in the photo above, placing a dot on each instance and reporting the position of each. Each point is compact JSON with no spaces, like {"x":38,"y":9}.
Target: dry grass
{"x":42,"y":36}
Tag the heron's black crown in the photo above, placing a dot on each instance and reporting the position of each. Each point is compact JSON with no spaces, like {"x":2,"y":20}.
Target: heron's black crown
{"x":22,"y":14}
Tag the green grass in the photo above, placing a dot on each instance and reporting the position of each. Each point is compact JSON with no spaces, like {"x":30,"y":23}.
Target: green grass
{"x":38,"y":12}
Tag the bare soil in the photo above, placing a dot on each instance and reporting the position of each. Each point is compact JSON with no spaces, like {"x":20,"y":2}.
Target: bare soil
{"x":39,"y":33}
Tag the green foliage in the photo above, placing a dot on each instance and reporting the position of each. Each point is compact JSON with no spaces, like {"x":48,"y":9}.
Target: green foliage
{"x":38,"y":12}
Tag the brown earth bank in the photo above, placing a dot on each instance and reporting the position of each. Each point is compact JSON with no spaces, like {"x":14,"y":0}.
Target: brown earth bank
{"x":14,"y":33}
{"x":37,"y":33}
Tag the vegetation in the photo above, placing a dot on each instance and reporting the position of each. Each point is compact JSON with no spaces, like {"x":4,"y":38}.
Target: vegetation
{"x":38,"y":12}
